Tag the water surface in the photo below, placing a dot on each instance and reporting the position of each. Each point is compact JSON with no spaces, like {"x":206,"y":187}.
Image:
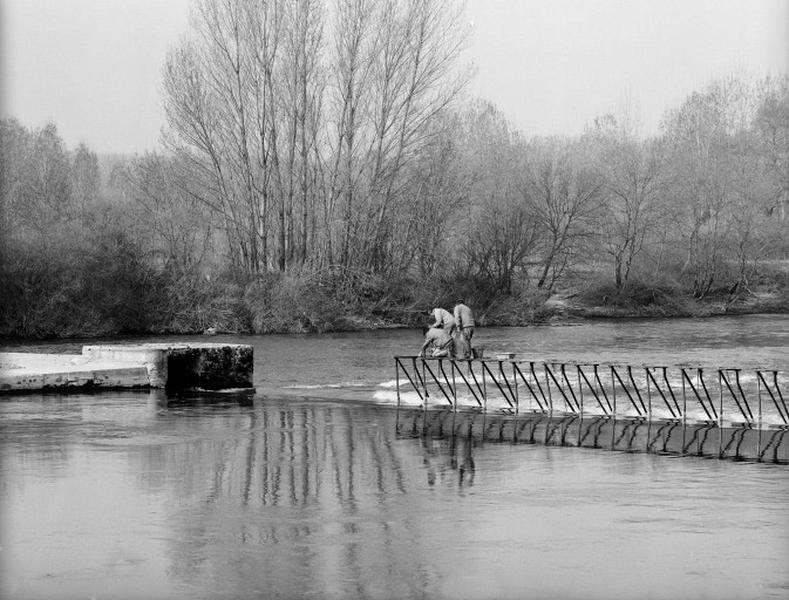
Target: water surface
{"x":317,"y":488}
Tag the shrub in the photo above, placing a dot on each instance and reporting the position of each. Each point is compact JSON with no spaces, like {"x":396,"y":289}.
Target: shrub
{"x":75,"y":282}
{"x":525,"y":308}
{"x":280,"y":303}
{"x":658,"y":297}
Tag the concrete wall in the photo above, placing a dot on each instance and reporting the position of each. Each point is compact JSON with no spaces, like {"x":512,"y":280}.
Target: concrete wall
{"x":205,"y":366}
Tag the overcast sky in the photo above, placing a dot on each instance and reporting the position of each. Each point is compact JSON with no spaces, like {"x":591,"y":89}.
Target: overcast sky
{"x":93,"y":67}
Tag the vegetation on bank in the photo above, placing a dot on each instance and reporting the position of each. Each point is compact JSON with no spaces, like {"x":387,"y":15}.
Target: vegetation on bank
{"x":323,"y":175}
{"x":102,"y":287}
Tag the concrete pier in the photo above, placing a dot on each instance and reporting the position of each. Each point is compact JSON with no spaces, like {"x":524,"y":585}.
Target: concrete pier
{"x":203,"y":366}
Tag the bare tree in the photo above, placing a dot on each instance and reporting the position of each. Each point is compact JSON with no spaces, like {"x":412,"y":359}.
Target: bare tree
{"x":708,"y":140}
{"x":495,"y":231}
{"x":394,"y":79}
{"x":772,"y":130}
{"x":632,"y":171}
{"x":505,"y":236}
{"x":563,"y":192}
{"x":250,"y":109}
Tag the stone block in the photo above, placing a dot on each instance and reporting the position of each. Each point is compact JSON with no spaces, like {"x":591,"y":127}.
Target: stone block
{"x":207,"y":366}
{"x":202,"y":366}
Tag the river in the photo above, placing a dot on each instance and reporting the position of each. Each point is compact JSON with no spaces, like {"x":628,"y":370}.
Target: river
{"x":316,"y":486}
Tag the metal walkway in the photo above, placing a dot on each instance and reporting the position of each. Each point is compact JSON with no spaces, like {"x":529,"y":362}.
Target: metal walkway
{"x":636,"y":407}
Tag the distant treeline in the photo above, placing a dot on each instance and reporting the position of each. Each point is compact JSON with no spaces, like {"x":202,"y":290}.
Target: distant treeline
{"x":328,"y":173}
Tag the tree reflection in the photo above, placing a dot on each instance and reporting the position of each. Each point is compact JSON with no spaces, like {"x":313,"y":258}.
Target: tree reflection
{"x":331,"y":499}
{"x":303,"y":496}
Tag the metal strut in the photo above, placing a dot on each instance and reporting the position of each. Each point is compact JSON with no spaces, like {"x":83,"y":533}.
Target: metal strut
{"x":408,"y":376}
{"x":783,"y":414}
{"x":593,"y":390}
{"x":438,"y":383}
{"x":559,"y":387}
{"x":749,"y":415}
{"x":528,"y":386}
{"x":496,"y":381}
{"x":466,"y":381}
{"x":687,"y":379}
{"x":614,"y":372}
{"x":651,"y":377}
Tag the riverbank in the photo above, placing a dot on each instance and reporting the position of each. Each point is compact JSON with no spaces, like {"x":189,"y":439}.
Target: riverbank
{"x":292,"y":306}
{"x":556,"y":309}
{"x":759,"y":303}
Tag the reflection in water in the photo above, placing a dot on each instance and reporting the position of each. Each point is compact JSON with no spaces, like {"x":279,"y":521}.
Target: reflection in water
{"x":668,"y":436}
{"x":130,"y":495}
{"x":306,"y":498}
{"x":135,"y":496}
{"x":441,"y":450}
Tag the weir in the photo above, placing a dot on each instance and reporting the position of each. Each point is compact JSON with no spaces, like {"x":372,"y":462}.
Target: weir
{"x":684,"y":410}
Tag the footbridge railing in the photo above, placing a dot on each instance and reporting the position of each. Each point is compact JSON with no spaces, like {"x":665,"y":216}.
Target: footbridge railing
{"x":660,"y":398}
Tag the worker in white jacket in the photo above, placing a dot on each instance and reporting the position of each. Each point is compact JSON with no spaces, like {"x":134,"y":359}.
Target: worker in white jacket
{"x":444,"y":320}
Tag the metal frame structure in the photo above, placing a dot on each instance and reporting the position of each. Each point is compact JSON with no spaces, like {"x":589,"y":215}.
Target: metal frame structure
{"x":626,"y":398}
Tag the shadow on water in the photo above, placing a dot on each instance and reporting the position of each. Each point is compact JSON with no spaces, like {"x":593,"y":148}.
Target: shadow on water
{"x":189,"y":398}
{"x":668,"y":436}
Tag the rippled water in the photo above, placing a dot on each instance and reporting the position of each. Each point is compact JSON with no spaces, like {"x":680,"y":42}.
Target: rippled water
{"x":317,"y":488}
